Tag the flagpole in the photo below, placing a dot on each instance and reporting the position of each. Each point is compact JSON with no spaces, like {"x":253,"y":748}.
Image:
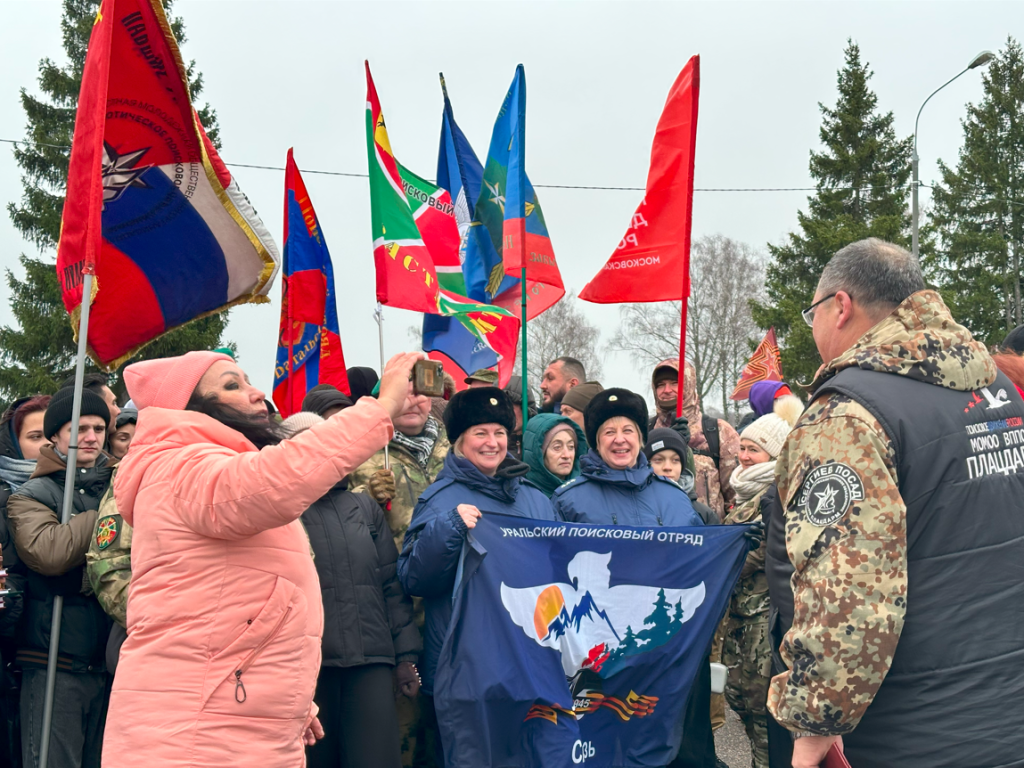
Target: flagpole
{"x":681,"y":383}
{"x":525,"y":382}
{"x":65,"y":517}
{"x":378,"y":315}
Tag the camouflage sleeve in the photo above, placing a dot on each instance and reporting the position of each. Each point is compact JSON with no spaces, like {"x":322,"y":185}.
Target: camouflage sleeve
{"x":359,"y":480}
{"x":109,"y":560}
{"x":729,"y":459}
{"x":846,"y":537}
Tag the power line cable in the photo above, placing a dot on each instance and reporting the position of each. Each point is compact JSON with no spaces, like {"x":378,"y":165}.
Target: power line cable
{"x":541,"y":186}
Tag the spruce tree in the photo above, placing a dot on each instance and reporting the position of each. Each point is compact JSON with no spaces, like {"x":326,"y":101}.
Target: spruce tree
{"x":861,"y":177}
{"x":976,"y":233}
{"x":38,"y":354}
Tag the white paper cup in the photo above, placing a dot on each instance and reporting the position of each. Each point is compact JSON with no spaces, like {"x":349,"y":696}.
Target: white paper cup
{"x":719,"y":672}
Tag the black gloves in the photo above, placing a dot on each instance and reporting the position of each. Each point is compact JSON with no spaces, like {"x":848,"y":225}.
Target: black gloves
{"x":682,"y":427}
{"x":754,"y":535}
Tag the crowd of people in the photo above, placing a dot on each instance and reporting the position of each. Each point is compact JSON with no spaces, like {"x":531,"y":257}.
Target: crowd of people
{"x":238,"y":588}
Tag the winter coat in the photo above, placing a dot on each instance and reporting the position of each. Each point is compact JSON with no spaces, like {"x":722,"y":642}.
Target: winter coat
{"x":53,"y":556}
{"x":711,"y":481}
{"x":224,"y":611}
{"x":108,"y":563}
{"x":411,"y":479}
{"x":537,"y":429}
{"x":433,"y":543}
{"x":605,"y":496}
{"x":14,"y":605}
{"x":367,"y":616}
{"x":750,"y":598}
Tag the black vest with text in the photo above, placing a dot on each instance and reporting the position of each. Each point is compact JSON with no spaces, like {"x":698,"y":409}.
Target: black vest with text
{"x":954,"y":695}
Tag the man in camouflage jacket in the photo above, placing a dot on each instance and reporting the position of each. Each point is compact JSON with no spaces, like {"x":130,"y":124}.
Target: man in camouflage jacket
{"x":865,"y":507}
{"x":416,"y":454}
{"x":108,"y":563}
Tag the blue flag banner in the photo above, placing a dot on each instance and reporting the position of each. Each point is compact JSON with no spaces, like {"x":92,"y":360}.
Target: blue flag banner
{"x":574,"y":644}
{"x":459,"y":171}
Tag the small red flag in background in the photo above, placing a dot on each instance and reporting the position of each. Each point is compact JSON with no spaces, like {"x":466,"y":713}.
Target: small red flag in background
{"x":764,"y":365}
{"x":652,"y":261}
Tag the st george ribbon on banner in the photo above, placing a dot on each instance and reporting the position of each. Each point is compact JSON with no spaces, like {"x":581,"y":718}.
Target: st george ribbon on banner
{"x":572,"y":641}
{"x":652,"y":261}
{"x":309,"y":348}
{"x":151,"y":210}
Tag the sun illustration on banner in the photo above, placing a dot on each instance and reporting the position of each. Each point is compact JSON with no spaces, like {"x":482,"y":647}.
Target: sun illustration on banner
{"x":595,"y":627}
{"x":120,"y":172}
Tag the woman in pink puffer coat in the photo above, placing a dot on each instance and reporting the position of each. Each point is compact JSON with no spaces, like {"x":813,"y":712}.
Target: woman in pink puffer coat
{"x":224,"y":611}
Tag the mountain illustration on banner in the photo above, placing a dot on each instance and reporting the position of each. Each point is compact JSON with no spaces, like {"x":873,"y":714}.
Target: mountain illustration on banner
{"x":598,"y":628}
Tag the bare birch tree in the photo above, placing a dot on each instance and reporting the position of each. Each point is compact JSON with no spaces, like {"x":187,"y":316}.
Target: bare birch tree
{"x":720,"y":334}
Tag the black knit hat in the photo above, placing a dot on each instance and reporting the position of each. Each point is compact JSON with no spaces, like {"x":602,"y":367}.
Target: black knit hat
{"x":323,"y":397}
{"x":611,"y":403}
{"x":662,"y":439}
{"x":479,"y":405}
{"x":58,"y":413}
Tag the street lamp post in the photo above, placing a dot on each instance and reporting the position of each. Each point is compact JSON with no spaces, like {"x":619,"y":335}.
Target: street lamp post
{"x":980,"y":60}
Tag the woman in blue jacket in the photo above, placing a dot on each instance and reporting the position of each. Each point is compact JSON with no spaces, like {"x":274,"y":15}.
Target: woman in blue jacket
{"x":478,"y":477}
{"x":616,"y":485}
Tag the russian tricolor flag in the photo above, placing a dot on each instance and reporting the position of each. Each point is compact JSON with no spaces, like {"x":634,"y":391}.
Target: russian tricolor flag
{"x":151,"y":210}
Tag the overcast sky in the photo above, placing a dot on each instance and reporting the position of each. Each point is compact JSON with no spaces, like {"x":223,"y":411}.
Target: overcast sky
{"x":290,"y":74}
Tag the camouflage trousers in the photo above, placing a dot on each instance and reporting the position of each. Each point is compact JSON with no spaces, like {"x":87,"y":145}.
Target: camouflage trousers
{"x":416,"y":734}
{"x":748,"y":655}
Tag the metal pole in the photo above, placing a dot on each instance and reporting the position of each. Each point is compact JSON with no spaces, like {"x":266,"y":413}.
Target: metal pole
{"x":915,"y":213}
{"x":682,"y":357}
{"x":913,"y":206}
{"x":65,"y":516}
{"x":525,"y":382}
{"x":378,"y":315}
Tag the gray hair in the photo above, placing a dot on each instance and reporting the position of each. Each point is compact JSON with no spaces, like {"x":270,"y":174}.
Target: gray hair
{"x":573,"y":368}
{"x":878,"y":275}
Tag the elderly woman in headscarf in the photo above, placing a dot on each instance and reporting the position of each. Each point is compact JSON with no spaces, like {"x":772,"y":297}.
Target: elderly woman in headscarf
{"x":225,"y":613}
{"x":552,"y":446}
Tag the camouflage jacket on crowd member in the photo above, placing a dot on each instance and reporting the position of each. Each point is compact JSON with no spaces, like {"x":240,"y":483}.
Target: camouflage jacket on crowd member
{"x":108,"y":563}
{"x":411,"y":479}
{"x":846,"y":620}
{"x":750,"y":598}
{"x":710,"y":482}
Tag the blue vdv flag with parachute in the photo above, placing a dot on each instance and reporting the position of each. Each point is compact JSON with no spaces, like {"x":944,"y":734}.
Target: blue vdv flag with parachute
{"x":576,"y":644}
{"x":459,"y":171}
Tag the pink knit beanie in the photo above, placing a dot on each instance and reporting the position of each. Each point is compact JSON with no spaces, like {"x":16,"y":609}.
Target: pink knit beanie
{"x":168,"y":382}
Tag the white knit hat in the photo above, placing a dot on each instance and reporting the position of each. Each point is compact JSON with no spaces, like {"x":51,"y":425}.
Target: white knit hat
{"x":299,"y":422}
{"x":769,"y":432}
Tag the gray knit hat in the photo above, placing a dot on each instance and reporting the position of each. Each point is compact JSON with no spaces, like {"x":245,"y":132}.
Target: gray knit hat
{"x":299,"y":422}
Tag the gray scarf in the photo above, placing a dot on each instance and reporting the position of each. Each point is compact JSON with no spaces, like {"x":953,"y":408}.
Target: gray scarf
{"x":16,"y":472}
{"x":421,"y":445}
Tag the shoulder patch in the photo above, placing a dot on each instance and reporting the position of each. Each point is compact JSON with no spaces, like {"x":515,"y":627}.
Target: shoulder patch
{"x":828,"y":492}
{"x":107,"y":530}
{"x":567,"y":484}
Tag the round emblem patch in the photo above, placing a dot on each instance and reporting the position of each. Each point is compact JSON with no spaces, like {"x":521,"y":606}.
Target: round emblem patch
{"x":828,"y":493}
{"x":106,"y":532}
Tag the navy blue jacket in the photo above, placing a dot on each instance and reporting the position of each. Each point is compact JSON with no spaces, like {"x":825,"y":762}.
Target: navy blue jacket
{"x":433,"y":543}
{"x":605,"y":496}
